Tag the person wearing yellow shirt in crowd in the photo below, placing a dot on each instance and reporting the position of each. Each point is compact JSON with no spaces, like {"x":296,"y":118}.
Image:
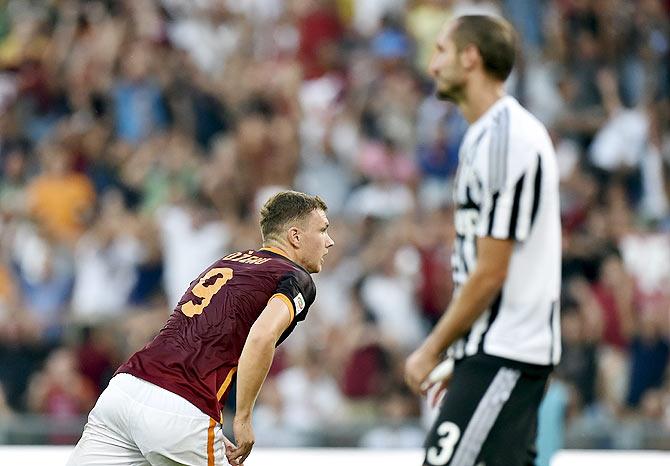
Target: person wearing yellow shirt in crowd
{"x":425,"y":19}
{"x":60,"y":199}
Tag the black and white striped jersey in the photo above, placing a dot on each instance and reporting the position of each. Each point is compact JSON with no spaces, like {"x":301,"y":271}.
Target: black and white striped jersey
{"x":507,"y":188}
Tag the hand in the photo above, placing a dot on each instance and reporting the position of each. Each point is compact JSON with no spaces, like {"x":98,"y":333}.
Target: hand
{"x":230,"y":446}
{"x":436,"y":392}
{"x":417,"y":367}
{"x":244,"y":436}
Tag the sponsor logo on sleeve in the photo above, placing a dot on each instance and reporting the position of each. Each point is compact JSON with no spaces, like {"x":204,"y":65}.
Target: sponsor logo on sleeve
{"x":299,"y":303}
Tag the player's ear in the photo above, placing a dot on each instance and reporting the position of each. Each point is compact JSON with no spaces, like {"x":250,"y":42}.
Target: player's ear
{"x":469,"y":56}
{"x":294,"y":237}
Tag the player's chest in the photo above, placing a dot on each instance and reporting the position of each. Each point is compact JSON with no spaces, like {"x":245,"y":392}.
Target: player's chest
{"x":468,"y":185}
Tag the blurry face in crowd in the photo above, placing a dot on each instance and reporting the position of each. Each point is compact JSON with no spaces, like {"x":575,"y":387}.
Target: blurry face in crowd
{"x":314,"y":241}
{"x":56,"y":161}
{"x":446,"y":68}
{"x":252,"y":134}
{"x":14,"y":165}
{"x":136,"y":62}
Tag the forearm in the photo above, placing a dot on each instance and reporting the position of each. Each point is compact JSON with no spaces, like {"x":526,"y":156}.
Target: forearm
{"x":476,"y":295}
{"x":252,"y":368}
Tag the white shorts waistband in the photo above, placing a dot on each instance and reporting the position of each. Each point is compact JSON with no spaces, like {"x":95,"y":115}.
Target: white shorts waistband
{"x":153,"y":396}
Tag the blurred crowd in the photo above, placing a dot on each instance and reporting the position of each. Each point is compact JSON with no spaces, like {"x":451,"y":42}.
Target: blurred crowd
{"x":138,"y":139}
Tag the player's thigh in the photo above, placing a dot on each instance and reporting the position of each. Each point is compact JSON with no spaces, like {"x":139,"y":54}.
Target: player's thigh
{"x":511,"y":440}
{"x":168,"y":439}
{"x":95,"y":450}
{"x":105,"y":440}
{"x":467,"y":388}
{"x":478,"y":393}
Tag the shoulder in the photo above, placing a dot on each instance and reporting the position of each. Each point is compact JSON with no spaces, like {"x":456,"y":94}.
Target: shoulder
{"x":510,"y":142}
{"x":297,"y":285}
{"x":303,"y":279}
{"x":511,"y":123}
{"x":526,"y":132}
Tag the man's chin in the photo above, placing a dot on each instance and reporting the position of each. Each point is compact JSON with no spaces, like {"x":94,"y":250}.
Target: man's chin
{"x":445,"y":95}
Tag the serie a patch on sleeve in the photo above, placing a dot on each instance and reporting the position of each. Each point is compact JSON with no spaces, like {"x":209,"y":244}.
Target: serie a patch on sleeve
{"x":299,"y":302}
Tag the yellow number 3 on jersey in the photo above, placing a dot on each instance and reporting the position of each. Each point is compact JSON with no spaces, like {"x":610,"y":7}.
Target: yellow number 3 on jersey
{"x":206,"y":291}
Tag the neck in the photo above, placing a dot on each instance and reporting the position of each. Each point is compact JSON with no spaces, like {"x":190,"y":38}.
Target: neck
{"x":282,"y":249}
{"x":479,"y":96}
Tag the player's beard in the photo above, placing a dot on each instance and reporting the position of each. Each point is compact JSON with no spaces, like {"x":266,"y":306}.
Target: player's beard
{"x":452,"y":93}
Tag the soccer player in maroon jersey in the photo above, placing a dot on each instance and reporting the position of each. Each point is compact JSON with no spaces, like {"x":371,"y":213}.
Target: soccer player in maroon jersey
{"x":164,"y":405}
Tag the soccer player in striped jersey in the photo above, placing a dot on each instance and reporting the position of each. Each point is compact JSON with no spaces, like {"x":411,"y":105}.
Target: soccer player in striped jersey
{"x":502,"y":327}
{"x":164,"y":405}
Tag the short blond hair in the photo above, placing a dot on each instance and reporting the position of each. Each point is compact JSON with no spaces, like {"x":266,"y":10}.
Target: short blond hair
{"x":286,"y":208}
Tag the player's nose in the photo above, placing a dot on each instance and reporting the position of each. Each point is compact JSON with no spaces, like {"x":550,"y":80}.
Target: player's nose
{"x":432,"y":69}
{"x":433,"y":65}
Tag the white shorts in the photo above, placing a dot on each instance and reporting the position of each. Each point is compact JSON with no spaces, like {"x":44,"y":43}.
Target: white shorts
{"x":138,"y":423}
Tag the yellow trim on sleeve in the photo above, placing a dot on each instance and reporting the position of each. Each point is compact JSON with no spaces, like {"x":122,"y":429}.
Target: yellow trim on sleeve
{"x":226,"y":383}
{"x":288,"y":302}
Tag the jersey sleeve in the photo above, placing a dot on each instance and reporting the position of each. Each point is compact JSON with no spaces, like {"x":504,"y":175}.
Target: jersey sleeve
{"x":298,"y":291}
{"x":513,"y":180}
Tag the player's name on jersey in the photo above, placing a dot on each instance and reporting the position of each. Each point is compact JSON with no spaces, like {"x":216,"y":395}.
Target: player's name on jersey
{"x":246,"y":258}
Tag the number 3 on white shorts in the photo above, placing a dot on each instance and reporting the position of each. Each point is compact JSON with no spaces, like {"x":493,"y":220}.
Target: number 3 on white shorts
{"x":449,"y":434}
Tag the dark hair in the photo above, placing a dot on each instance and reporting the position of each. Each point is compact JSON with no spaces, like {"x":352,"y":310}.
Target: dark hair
{"x":495,"y":39}
{"x":287,"y":207}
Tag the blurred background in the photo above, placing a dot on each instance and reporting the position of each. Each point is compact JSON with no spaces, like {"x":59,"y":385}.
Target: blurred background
{"x":138,"y":139}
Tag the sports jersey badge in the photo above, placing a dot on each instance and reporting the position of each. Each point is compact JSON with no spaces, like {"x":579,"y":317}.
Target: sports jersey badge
{"x":299,"y":303}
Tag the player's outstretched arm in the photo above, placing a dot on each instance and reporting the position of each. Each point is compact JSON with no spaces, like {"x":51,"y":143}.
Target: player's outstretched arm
{"x":252,"y":369}
{"x":475,"y":296}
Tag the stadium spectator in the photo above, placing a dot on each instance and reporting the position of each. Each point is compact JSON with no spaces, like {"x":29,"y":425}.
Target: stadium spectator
{"x":128,"y":127}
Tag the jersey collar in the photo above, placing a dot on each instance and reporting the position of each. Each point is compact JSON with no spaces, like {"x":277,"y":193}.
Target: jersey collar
{"x":280,"y":252}
{"x":492,"y":110}
{"x":275,"y":250}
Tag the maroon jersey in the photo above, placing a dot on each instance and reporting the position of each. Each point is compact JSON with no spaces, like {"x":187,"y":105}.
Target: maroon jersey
{"x":195,"y":354}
